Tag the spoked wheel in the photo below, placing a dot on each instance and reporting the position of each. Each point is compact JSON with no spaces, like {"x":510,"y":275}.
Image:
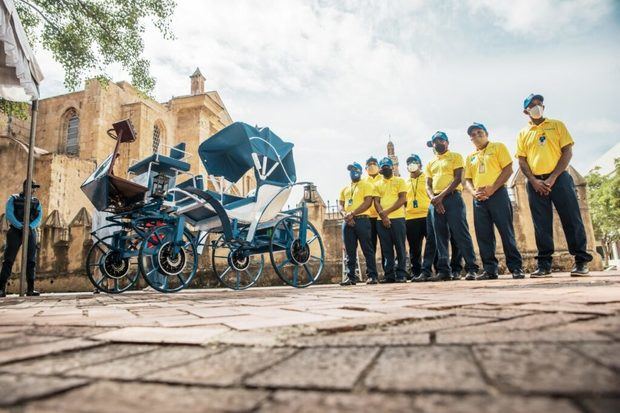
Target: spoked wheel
{"x":163,"y":268}
{"x":297,"y":263}
{"x":235,"y":267}
{"x":109,"y":268}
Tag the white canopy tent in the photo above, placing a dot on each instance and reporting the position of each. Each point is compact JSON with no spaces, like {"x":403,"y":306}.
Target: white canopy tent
{"x":20,"y":77}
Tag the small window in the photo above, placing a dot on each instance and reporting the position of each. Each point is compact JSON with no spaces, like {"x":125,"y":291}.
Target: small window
{"x":73,"y":134}
{"x":156,"y":138}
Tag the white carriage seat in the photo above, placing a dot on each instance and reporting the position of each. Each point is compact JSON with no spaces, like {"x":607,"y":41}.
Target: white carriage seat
{"x":265,"y":205}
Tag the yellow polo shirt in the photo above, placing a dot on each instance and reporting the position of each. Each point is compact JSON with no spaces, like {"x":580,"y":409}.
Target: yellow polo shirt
{"x":372,"y":212}
{"x":542,"y":145}
{"x":484,"y":166}
{"x":441,"y":170}
{"x":353,"y":195}
{"x":417,"y":198}
{"x":387,"y":190}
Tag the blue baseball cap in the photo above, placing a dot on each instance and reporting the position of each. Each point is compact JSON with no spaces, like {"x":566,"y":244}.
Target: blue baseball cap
{"x":438,"y":135}
{"x":386,"y":162}
{"x":371,"y":159}
{"x":414,"y":159}
{"x":354,"y":165}
{"x":530,"y":98}
{"x":476,"y":125}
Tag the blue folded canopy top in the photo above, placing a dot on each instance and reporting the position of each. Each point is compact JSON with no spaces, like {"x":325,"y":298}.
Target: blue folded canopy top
{"x":239,"y":147}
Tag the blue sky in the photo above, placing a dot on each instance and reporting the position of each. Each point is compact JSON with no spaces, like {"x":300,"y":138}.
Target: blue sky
{"x":338,"y":77}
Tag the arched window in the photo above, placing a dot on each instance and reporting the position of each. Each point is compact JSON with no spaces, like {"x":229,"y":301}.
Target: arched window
{"x":156,"y":137}
{"x":72,"y":133}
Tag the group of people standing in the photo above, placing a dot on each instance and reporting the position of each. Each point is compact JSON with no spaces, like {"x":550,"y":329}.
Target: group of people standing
{"x":428,"y":207}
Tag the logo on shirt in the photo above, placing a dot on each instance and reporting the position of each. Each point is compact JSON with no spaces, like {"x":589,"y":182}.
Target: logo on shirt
{"x":542,"y":140}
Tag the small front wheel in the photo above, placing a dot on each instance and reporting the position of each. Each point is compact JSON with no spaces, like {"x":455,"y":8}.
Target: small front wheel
{"x":235,"y":267}
{"x":111,"y":264}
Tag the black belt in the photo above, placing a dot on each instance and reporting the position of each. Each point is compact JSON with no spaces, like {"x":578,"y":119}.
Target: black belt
{"x":361,"y":216}
{"x":543,"y":177}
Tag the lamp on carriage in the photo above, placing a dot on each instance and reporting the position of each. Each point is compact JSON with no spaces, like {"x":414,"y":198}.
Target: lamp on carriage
{"x":310,"y":193}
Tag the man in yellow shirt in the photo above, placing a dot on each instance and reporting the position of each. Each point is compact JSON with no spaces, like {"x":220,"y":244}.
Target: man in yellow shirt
{"x":355,"y":199}
{"x":486,"y":172}
{"x":390,"y":198}
{"x":447,"y":210}
{"x":373,"y":176}
{"x":544,"y":149}
{"x":416,"y":211}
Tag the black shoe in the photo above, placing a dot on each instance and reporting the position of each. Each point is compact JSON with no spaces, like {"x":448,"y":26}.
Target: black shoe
{"x":33,"y":293}
{"x":387,"y":281}
{"x":2,"y":293}
{"x":400,"y":280}
{"x":456,"y":275}
{"x":348,"y":281}
{"x":422,"y":278}
{"x":471,"y":275}
{"x":441,"y":277}
{"x":541,"y":273}
{"x":580,"y":270}
{"x":371,"y":281}
{"x":486,"y":276}
{"x":518,"y":274}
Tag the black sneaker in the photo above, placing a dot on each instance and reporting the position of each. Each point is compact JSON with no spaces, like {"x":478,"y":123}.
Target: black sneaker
{"x":371,"y":281}
{"x":2,"y":293}
{"x":441,"y":277}
{"x":518,"y":274}
{"x":400,"y":280}
{"x":387,"y":281}
{"x":33,"y":293}
{"x":456,"y":275}
{"x":348,"y":281}
{"x":422,"y":278}
{"x":541,"y":273}
{"x":486,"y":276}
{"x":580,"y":270}
{"x":471,"y":275}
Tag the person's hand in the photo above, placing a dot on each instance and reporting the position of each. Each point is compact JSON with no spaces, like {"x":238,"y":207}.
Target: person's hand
{"x":348,"y":217}
{"x":549,"y":182}
{"x":440,"y":208}
{"x":540,"y":187}
{"x":437,"y":199}
{"x":484,"y":193}
{"x":386,"y":221}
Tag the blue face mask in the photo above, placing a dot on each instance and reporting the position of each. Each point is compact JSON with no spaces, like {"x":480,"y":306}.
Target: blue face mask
{"x":355,"y":175}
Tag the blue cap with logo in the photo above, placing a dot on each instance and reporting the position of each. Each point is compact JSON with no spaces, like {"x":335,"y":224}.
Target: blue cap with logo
{"x":385,"y":162}
{"x":476,"y":125}
{"x":354,"y":165}
{"x":438,"y":135}
{"x":413,"y":158}
{"x":530,"y":98}
{"x":371,"y":159}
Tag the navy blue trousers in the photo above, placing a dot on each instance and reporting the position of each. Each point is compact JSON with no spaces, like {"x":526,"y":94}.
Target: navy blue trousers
{"x":496,"y":212}
{"x":393,"y":239}
{"x":354,"y":235}
{"x":452,"y":222}
{"x":564,"y":198}
{"x":13,"y":243}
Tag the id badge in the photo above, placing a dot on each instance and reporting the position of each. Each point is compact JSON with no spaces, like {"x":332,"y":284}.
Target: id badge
{"x":481,"y":168}
{"x":350,"y":202}
{"x":415,"y":203}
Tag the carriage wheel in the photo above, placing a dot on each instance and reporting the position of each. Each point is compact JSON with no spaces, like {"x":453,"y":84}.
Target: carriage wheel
{"x":297,"y":264}
{"x":162,"y":269}
{"x":234,"y":267}
{"x":107,"y":270}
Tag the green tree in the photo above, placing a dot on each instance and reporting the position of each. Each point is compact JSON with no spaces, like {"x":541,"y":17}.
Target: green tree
{"x":85,"y":36}
{"x":604,"y":201}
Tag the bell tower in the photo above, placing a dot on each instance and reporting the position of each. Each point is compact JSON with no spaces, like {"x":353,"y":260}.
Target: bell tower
{"x":198,"y":82}
{"x":391,"y":154}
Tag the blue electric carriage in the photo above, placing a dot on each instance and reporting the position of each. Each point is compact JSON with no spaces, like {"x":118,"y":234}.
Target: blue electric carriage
{"x":157,"y":225}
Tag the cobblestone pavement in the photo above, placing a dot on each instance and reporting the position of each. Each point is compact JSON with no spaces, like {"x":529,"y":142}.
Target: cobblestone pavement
{"x":548,"y":345}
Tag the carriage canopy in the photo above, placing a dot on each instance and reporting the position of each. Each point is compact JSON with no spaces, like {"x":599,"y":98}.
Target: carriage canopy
{"x":239,"y":147}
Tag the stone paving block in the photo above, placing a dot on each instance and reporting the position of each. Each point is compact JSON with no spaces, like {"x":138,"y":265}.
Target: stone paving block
{"x":68,"y":331}
{"x":605,"y":353}
{"x":545,"y":368}
{"x":521,"y":336}
{"x":60,"y":363}
{"x":251,"y":322}
{"x":223,"y":369}
{"x":437,"y":324}
{"x":359,"y":339}
{"x":362,"y":323}
{"x":289,"y":401}
{"x":317,"y":368}
{"x":139,"y":365}
{"x":602,"y":404}
{"x":182,"y":335}
{"x":568,"y":308}
{"x":18,"y":388}
{"x":422,"y":368}
{"x":13,"y":340}
{"x":41,"y":349}
{"x":121,"y":397}
{"x":499,"y":313}
{"x":491,"y":404}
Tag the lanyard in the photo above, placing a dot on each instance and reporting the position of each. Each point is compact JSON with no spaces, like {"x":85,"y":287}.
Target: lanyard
{"x":415,"y":191}
{"x":352,"y":193}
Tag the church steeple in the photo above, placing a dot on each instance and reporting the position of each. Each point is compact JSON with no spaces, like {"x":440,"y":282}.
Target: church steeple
{"x":392,"y":155}
{"x":198,"y":82}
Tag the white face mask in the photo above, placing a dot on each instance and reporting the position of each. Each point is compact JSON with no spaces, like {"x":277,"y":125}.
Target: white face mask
{"x":536,"y":112}
{"x":413,"y":167}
